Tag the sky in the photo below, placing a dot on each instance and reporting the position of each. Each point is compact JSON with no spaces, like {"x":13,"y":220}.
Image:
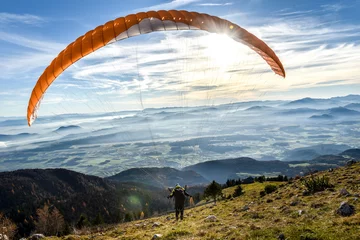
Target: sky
{"x":318,"y":43}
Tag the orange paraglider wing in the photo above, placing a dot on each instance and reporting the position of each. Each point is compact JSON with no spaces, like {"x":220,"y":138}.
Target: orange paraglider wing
{"x":141,"y":23}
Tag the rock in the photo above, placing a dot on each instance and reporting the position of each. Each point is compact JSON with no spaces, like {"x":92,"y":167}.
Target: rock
{"x":344,"y":192}
{"x":305,"y":193}
{"x":36,"y":236}
{"x":211,"y":218}
{"x":245,"y":208}
{"x":156,"y":224}
{"x":157,"y":236}
{"x":356,"y":195}
{"x":232,"y":227}
{"x":345,"y":209}
{"x":295,"y":202}
{"x":356,"y":199}
{"x":168,"y":218}
{"x":281,"y":236}
{"x":301,"y":212}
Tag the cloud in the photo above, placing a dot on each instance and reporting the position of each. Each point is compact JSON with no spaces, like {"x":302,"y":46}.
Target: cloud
{"x":170,"y":5}
{"x":215,"y":4}
{"x":334,"y":7}
{"x":31,"y":43}
{"x":29,"y":19}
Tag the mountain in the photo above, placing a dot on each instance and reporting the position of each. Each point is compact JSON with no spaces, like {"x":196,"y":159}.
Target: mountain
{"x":353,"y":153}
{"x":309,"y":153}
{"x":73,"y":193}
{"x":160,"y":177}
{"x":353,"y":106}
{"x":342,"y":112}
{"x":298,"y":111}
{"x":221,"y":170}
{"x":5,"y":137}
{"x":330,"y":159}
{"x":322,"y":117}
{"x":286,"y":213}
{"x":67,"y":128}
{"x":258,"y":108}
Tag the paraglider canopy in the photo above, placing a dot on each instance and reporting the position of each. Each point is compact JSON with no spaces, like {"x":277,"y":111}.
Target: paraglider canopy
{"x":141,"y":23}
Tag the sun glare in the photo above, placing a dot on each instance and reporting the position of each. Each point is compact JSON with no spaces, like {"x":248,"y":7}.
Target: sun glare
{"x":222,"y":50}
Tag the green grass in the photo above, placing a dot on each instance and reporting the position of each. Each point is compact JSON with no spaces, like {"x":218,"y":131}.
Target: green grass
{"x":266,"y":218}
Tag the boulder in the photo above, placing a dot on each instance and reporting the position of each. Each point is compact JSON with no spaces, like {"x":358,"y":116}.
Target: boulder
{"x":345,"y":209}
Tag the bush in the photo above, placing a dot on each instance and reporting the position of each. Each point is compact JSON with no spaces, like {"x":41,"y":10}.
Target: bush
{"x":238,"y":191}
{"x":270,"y":188}
{"x":262,"y":193}
{"x":7,"y":227}
{"x":316,"y":184}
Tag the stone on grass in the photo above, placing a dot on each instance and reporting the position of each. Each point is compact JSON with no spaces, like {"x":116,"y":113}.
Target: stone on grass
{"x":156,"y":224}
{"x":344,"y":192}
{"x":157,"y":236}
{"x":36,"y":236}
{"x":345,"y":209}
{"x":245,"y":208}
{"x":281,"y":236}
{"x":211,"y":218}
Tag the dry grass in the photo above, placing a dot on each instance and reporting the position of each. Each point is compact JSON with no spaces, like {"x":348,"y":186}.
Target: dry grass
{"x":266,"y":217}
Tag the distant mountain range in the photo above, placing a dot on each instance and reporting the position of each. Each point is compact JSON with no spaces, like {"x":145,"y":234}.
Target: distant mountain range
{"x":160,"y":177}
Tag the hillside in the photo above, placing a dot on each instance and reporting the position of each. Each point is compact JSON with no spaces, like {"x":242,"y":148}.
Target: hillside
{"x":286,"y":211}
{"x":221,"y":170}
{"x":159,"y":177}
{"x":74,"y":194}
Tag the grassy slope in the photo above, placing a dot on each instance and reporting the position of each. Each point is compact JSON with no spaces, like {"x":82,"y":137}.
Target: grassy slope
{"x":266,"y":218}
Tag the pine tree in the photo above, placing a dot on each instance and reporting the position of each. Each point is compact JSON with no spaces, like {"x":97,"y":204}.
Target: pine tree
{"x":213,"y":190}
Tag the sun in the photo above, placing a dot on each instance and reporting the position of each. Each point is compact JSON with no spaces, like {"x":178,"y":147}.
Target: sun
{"x":222,"y":50}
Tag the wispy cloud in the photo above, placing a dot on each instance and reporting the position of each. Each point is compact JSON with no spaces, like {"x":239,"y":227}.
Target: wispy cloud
{"x":170,"y":5}
{"x":35,"y":44}
{"x":215,"y":4}
{"x":334,"y":7}
{"x":6,"y":18}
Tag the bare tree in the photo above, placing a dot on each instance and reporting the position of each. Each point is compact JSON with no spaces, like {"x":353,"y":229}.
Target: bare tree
{"x":50,"y":221}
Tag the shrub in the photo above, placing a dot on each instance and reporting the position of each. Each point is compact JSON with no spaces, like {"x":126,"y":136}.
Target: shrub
{"x":270,"y":188}
{"x":7,"y":227}
{"x":316,"y":184}
{"x":238,"y":191}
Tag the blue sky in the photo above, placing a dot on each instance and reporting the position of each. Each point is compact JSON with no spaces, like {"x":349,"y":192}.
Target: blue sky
{"x":317,"y":41}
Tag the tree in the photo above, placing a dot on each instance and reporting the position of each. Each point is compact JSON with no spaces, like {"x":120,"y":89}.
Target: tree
{"x":49,"y":222}
{"x":98,"y":220}
{"x":238,"y":191}
{"x":82,"y":222}
{"x":213,"y":190}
